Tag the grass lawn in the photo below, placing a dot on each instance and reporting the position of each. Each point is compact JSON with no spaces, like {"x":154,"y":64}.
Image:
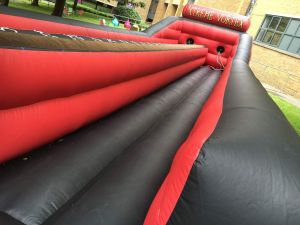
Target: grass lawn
{"x":291,"y":112}
{"x":46,"y":7}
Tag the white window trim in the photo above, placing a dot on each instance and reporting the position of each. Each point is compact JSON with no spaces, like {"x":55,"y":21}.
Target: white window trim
{"x":282,"y":14}
{"x":269,"y":46}
{"x":277,"y":49}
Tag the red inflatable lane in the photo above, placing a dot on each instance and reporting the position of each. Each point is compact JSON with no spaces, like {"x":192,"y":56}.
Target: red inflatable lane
{"x":170,"y":191}
{"x":28,"y":127}
{"x":217,"y":17}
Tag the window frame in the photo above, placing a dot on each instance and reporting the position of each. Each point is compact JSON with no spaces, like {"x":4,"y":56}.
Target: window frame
{"x":259,"y":39}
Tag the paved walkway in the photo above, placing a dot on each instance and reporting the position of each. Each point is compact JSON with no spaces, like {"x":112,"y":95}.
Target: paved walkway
{"x":279,"y":93}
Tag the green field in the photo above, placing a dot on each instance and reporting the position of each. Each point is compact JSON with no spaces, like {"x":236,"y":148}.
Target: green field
{"x":46,"y":7}
{"x":90,"y":15}
{"x":291,"y":112}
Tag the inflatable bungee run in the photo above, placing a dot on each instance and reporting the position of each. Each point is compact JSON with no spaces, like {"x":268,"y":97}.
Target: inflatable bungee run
{"x":168,"y":126}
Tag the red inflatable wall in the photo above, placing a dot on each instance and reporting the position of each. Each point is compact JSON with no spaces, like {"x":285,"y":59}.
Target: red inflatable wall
{"x":44,"y":86}
{"x":211,"y":37}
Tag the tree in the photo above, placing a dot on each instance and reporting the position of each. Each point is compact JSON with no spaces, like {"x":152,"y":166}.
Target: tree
{"x":59,"y":8}
{"x":4,"y":2}
{"x":75,"y":5}
{"x":35,"y":3}
{"x":132,"y":2}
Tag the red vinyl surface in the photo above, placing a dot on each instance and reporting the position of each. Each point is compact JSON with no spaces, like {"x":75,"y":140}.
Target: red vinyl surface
{"x":25,"y":128}
{"x":209,"y":36}
{"x":28,"y":77}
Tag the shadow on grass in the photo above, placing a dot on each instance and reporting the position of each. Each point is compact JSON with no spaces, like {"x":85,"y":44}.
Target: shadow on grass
{"x":291,"y":112}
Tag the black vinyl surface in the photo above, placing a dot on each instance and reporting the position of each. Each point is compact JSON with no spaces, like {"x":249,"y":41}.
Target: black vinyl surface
{"x":248,"y":172}
{"x":108,"y":171}
{"x":243,"y":51}
{"x":8,"y":220}
{"x":125,"y":189}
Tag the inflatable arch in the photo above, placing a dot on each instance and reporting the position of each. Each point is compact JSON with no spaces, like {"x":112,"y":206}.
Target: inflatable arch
{"x":166,"y":126}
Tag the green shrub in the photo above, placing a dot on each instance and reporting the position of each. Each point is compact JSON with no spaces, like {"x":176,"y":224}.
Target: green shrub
{"x":144,"y":25}
{"x":122,"y":11}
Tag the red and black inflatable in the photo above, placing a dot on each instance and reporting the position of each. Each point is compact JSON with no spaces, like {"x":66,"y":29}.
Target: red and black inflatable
{"x":167,"y":126}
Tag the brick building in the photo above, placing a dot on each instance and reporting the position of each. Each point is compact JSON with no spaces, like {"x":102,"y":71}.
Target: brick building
{"x":275,"y":26}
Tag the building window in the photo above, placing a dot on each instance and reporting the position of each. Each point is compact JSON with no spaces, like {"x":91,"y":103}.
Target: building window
{"x":280,"y":32}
